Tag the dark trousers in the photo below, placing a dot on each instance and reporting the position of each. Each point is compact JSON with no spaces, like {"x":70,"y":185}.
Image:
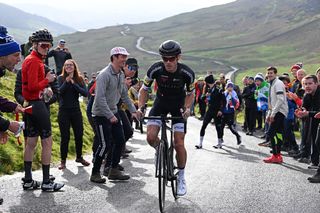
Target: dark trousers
{"x":202,"y":107}
{"x":250,"y":116}
{"x":209,"y":115}
{"x":73,"y":118}
{"x":228,"y":119}
{"x":111,"y":137}
{"x":289,"y":137}
{"x":276,"y":133}
{"x":305,"y":145}
{"x":128,"y":132}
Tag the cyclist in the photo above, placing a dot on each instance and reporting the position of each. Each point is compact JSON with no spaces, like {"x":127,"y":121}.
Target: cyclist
{"x":34,"y":83}
{"x":175,"y":92}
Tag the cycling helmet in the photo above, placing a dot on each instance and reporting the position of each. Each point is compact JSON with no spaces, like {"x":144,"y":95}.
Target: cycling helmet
{"x":42,"y":35}
{"x":170,"y":48}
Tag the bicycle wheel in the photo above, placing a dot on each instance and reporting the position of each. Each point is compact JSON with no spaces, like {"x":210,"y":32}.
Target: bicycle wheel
{"x":162,"y":175}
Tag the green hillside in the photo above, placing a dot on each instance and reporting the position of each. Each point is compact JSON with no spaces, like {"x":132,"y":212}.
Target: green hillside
{"x":246,"y":34}
{"x":11,"y":154}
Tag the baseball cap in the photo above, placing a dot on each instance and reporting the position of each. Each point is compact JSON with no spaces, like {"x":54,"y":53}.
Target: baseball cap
{"x":8,"y":45}
{"x":132,"y":62}
{"x":118,"y":51}
{"x":62,"y":41}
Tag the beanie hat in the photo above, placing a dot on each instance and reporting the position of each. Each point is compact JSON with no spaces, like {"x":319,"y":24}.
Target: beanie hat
{"x":209,"y":79}
{"x":229,"y":84}
{"x":7,"y":44}
{"x":259,"y":76}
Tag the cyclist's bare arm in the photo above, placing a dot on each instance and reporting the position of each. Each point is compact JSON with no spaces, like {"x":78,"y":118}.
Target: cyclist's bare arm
{"x":188,"y":100}
{"x":143,"y":96}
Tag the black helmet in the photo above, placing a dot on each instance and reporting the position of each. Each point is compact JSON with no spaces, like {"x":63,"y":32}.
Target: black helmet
{"x":42,"y":35}
{"x":170,"y":48}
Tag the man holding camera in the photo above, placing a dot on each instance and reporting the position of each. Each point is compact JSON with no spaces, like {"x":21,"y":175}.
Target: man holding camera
{"x":60,"y":55}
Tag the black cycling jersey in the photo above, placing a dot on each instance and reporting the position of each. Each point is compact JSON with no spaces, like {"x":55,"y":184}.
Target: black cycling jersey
{"x":170,"y":85}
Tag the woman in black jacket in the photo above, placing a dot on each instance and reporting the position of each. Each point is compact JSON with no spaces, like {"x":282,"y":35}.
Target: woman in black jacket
{"x":71,"y":85}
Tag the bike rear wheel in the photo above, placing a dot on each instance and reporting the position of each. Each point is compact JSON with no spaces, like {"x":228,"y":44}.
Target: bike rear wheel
{"x":172,"y":174}
{"x":162,"y":175}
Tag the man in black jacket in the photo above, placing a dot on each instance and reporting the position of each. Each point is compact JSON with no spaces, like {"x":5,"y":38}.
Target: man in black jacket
{"x":250,"y":105}
{"x":310,"y":106}
{"x":60,"y":55}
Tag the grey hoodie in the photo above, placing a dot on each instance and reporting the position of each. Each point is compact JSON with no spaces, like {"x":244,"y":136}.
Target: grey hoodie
{"x":110,"y":87}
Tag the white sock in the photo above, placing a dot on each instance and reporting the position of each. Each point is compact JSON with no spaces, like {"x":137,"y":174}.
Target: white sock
{"x":201,"y":140}
{"x":181,"y":173}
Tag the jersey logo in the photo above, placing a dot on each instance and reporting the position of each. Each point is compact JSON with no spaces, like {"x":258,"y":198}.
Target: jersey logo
{"x":164,"y":78}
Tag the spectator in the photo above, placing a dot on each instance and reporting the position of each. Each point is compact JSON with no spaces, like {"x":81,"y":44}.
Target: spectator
{"x":261,"y":95}
{"x":278,"y":111}
{"x":250,"y":105}
{"x":199,"y":86}
{"x":60,"y":55}
{"x":71,"y":85}
{"x":25,"y":48}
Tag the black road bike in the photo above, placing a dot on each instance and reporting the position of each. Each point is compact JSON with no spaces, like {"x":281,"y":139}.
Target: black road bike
{"x":166,"y":169}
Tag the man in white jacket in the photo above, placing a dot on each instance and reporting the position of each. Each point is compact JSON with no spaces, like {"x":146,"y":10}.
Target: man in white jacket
{"x":278,"y":111}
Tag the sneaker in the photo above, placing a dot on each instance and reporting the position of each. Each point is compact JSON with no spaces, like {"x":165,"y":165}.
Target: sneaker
{"x":315,"y":178}
{"x":198,"y":146}
{"x":96,"y":178}
{"x":51,"y":177}
{"x":33,"y":184}
{"x":51,"y":186}
{"x":313,"y":166}
{"x":116,"y":174}
{"x":250,"y":133}
{"x":304,"y":160}
{"x":280,"y":159}
{"x":62,"y":165}
{"x":273,"y":159}
{"x":264,"y":143}
{"x":218,"y":146}
{"x":238,"y":140}
{"x":1,"y":201}
{"x":181,"y":187}
{"x":82,"y":161}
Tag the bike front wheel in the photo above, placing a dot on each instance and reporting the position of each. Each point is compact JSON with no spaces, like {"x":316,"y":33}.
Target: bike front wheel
{"x":161,"y":175}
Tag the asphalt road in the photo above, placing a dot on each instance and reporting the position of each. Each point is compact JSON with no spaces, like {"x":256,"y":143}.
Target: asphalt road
{"x":232,"y":179}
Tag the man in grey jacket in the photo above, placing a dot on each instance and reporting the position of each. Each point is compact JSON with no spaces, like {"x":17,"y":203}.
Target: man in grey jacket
{"x":110,"y":88}
{"x":278,"y":111}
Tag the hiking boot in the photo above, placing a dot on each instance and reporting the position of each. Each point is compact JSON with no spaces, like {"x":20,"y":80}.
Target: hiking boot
{"x":62,"y":165}
{"x":32,"y":184}
{"x":238,"y":139}
{"x":116,"y":174}
{"x":273,"y":159}
{"x":82,"y":161}
{"x":181,"y":187}
{"x":107,"y":170}
{"x":96,"y":178}
{"x":198,"y":146}
{"x":51,"y":186}
{"x":315,"y":178}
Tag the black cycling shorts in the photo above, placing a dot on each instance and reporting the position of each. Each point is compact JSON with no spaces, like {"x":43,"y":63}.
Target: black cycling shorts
{"x":38,"y":124}
{"x":164,"y":107}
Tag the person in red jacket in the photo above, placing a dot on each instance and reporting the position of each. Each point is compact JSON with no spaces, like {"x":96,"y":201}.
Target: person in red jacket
{"x":36,"y":93}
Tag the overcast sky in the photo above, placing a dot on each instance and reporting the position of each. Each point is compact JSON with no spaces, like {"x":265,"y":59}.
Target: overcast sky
{"x":83,"y":14}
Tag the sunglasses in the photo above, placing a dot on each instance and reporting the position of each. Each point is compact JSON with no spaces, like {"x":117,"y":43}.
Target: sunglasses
{"x":132,"y":68}
{"x":170,"y":59}
{"x":45,"y":46}
{"x":68,"y":65}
